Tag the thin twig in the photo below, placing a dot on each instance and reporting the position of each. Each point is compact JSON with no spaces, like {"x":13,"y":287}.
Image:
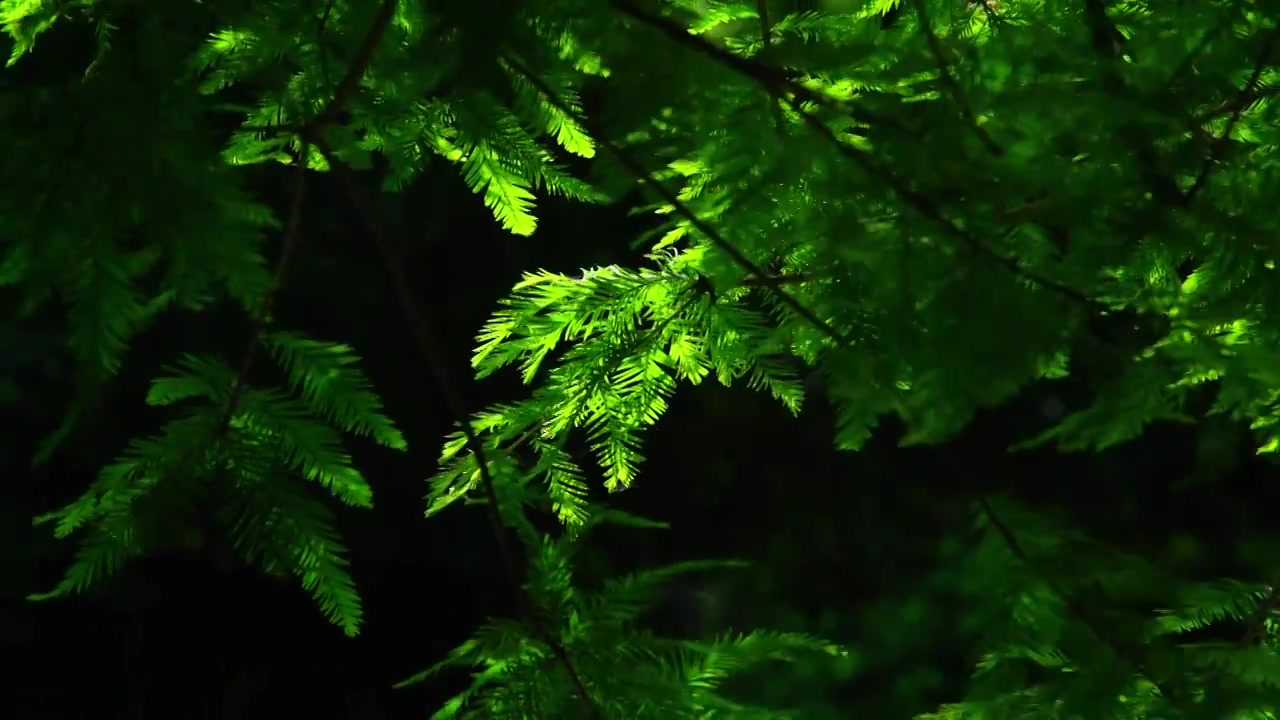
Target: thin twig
{"x":1076,"y":609}
{"x":1241,"y":101}
{"x":795,"y":94}
{"x":638,"y":170}
{"x":775,"y":280}
{"x":766,"y":54}
{"x":320,"y":30}
{"x":311,"y":132}
{"x":1185,"y":65}
{"x":1106,"y":40}
{"x":772,"y":79}
{"x":305,"y":133}
{"x":263,"y":313}
{"x":926,"y":207}
{"x":355,"y":73}
{"x":993,"y":19}
{"x":429,"y":345}
{"x":1257,"y":629}
{"x":1215,"y":151}
{"x":957,"y":93}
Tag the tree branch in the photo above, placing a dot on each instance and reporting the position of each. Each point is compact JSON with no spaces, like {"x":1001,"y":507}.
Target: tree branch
{"x":351,"y":79}
{"x":957,"y":93}
{"x":1077,"y":610}
{"x":795,"y":94}
{"x":1107,"y":44}
{"x":1219,"y":145}
{"x":429,"y":345}
{"x":305,"y":133}
{"x":263,"y":317}
{"x":638,"y":171}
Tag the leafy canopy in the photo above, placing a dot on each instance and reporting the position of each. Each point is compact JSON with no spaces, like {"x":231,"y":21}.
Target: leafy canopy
{"x":916,"y":208}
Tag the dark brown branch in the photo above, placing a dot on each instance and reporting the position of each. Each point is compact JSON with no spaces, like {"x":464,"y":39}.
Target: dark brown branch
{"x":776,"y":280}
{"x":957,"y":93}
{"x":1186,"y":64}
{"x":320,"y":30}
{"x":989,"y":8}
{"x":311,"y":133}
{"x":311,"y":128}
{"x":1215,"y":151}
{"x":638,"y":170}
{"x":1128,"y":657}
{"x":351,"y":79}
{"x":766,"y":53}
{"x":263,"y":314}
{"x":1257,"y":629}
{"x":429,"y":344}
{"x":793,"y":93}
{"x":772,"y":79}
{"x":926,"y":207}
{"x":1107,"y":45}
{"x":1239,"y":103}
{"x":346,"y":88}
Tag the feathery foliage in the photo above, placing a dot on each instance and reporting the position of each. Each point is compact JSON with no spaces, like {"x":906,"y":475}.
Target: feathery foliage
{"x":926,"y":205}
{"x":631,"y":672}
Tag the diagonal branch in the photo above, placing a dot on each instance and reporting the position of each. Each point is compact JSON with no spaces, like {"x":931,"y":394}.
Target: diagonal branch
{"x":429,"y":345}
{"x":925,"y":206}
{"x":1257,"y":629}
{"x":1186,"y":65}
{"x":1077,"y":610}
{"x":1250,"y":87}
{"x":957,"y":93}
{"x":795,"y":94}
{"x":766,"y":53}
{"x":263,"y":314}
{"x":1240,"y":102}
{"x":1107,"y":41}
{"x":772,"y":79}
{"x":347,"y":85}
{"x":638,"y":171}
{"x":351,"y":79}
{"x":310,"y":129}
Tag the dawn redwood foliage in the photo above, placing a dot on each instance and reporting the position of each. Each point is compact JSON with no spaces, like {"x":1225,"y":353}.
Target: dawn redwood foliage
{"x":914,"y":208}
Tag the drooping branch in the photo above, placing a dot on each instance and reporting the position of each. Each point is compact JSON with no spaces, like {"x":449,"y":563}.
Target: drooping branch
{"x":1126,"y":655}
{"x":306,"y":132}
{"x":637,"y":170}
{"x":311,"y":133}
{"x":355,"y":72}
{"x":1219,"y":145}
{"x":1108,"y":43}
{"x":795,"y":94}
{"x":958,"y":95}
{"x":766,"y":55}
{"x":262,"y":317}
{"x":429,"y":344}
{"x":1239,"y":103}
{"x":1257,"y":629}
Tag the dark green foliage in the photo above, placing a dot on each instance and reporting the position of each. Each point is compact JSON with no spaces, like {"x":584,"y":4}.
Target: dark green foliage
{"x":927,"y":205}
